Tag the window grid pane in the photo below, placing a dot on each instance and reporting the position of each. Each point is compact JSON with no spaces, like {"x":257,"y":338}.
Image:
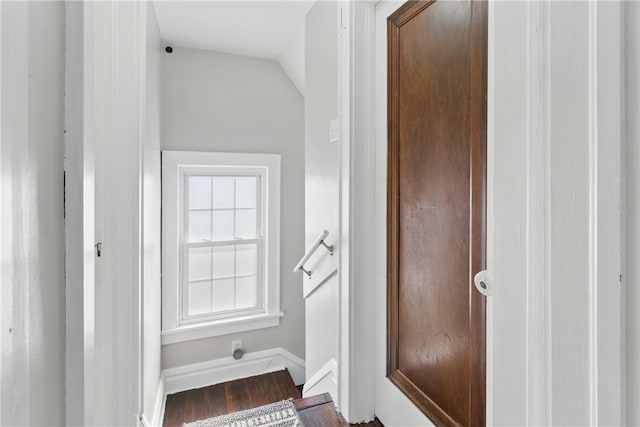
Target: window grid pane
{"x":246,"y":291}
{"x":222,"y":208}
{"x":199,"y":297}
{"x":246,"y":223}
{"x":221,"y":278}
{"x":246,"y":192}
{"x":223,"y":225}
{"x":223,"y":192}
{"x":199,"y":225}
{"x":199,"y":192}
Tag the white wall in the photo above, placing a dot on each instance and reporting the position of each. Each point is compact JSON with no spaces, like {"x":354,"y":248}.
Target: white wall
{"x":221,"y":102}
{"x":32,"y":233}
{"x":632,"y":210}
{"x":151,"y":224}
{"x":321,"y":184}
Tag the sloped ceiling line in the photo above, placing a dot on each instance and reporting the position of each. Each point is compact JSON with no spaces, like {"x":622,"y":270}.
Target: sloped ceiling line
{"x":263,"y":29}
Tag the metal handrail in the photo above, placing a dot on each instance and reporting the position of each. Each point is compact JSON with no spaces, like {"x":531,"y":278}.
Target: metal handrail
{"x":319,"y":242}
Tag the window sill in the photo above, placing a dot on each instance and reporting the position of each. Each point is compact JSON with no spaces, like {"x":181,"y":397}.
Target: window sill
{"x":220,"y":327}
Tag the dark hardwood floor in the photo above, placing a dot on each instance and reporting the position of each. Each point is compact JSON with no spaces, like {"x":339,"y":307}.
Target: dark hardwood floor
{"x":229,"y":397}
{"x":319,"y":411}
{"x":247,"y":393}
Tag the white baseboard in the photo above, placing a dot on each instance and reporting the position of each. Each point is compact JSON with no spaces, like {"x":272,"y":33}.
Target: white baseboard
{"x":203,"y":374}
{"x":324,"y":380}
{"x":158,"y":408}
{"x":157,"y":417}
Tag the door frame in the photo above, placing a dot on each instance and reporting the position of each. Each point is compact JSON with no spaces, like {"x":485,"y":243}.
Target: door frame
{"x":104,"y":113}
{"x":518,"y":33}
{"x":79,"y":166}
{"x":356,"y":49}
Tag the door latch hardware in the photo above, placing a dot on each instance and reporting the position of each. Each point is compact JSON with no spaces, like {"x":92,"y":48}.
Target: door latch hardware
{"x":98,"y":249}
{"x":483,"y":283}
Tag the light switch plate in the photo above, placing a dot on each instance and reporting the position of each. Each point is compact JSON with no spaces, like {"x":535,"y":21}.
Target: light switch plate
{"x":333,"y":130}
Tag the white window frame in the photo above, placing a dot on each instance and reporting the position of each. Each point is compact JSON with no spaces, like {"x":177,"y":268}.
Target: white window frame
{"x":175,"y":166}
{"x":232,"y":171}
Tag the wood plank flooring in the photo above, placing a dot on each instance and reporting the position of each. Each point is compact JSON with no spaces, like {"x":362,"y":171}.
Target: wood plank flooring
{"x":247,"y":393}
{"x":319,"y":411}
{"x":229,"y":397}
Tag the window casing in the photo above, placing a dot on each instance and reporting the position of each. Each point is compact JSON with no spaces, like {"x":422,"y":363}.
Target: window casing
{"x":220,"y":243}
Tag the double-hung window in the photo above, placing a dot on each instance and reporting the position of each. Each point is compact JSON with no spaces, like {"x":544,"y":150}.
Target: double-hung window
{"x":220,"y":243}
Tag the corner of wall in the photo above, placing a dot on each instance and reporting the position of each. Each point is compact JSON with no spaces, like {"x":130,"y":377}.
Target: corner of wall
{"x":217,"y":371}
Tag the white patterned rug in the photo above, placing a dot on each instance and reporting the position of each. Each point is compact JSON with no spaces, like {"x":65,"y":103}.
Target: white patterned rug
{"x":279,"y":414}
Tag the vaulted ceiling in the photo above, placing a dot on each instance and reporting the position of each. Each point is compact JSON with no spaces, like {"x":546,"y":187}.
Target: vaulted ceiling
{"x":265,"y":29}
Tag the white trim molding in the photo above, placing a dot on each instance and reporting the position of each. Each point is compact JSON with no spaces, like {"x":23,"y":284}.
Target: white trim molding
{"x":221,"y":327}
{"x":324,"y":279}
{"x":356,"y":94}
{"x":608,"y":297}
{"x":631,"y":209}
{"x":325,"y":380}
{"x":160,"y":405}
{"x":79,"y":166}
{"x":157,"y":418}
{"x":203,"y":374}
{"x":537,"y":169}
{"x":555,"y":339}
{"x":175,"y":165}
{"x":105,"y":113}
{"x":197,"y":375}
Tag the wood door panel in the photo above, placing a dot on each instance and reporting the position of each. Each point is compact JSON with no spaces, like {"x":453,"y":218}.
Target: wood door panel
{"x":437,"y":128}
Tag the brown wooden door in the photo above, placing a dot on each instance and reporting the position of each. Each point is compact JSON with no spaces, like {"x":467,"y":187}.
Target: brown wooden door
{"x":436,"y":207}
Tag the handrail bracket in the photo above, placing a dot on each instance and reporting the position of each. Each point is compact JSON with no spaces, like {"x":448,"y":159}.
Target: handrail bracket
{"x":329,"y":248}
{"x":307,"y":272}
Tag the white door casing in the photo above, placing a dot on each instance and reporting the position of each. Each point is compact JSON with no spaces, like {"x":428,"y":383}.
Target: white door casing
{"x":106,"y":43}
{"x":554,"y":213}
{"x":631,"y":233}
{"x":356,"y":180}
{"x":79,"y":221}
